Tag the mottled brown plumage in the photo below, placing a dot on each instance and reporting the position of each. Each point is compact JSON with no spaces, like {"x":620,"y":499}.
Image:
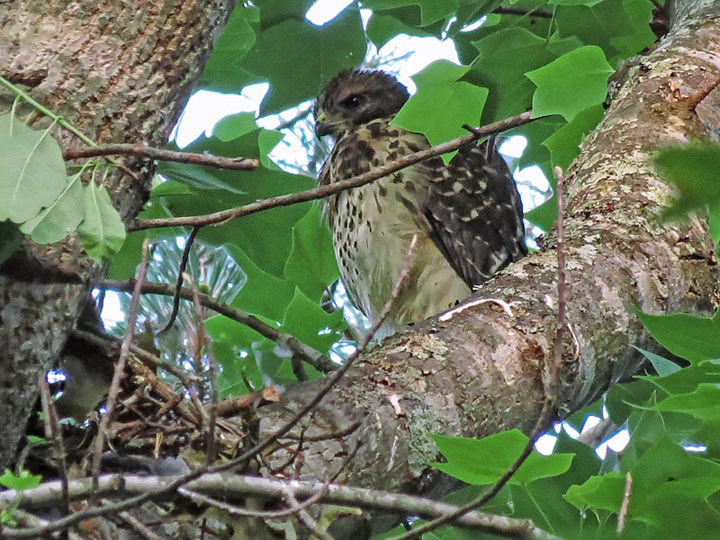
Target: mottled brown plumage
{"x":467,"y":214}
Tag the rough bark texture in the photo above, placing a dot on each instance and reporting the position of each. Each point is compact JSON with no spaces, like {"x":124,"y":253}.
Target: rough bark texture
{"x":480,"y":371}
{"x":120,"y":72}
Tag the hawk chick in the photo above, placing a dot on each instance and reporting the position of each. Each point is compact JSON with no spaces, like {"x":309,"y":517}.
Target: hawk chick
{"x":467,"y":214}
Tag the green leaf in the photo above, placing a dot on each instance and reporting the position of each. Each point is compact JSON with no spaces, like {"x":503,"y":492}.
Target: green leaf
{"x":662,"y":365}
{"x":666,"y":468}
{"x":33,"y":170}
{"x":484,"y":461}
{"x":687,"y":336}
{"x":312,"y":325}
{"x":263,"y":293}
{"x":564,"y":144}
{"x":621,"y":398}
{"x":311,"y":265}
{"x":383,"y":28}
{"x":235,"y":126}
{"x":574,"y":82}
{"x":598,"y":492}
{"x":223,"y":72}
{"x":703,"y":403}
{"x":619,"y":27}
{"x":714,"y":223}
{"x":543,"y":216}
{"x":194,"y":176}
{"x":102,"y":232}
{"x":510,"y":91}
{"x":263,"y":236}
{"x":61,"y":217}
{"x":24,"y":480}
{"x":693,"y":169}
{"x":442,"y":104}
{"x":281,"y":55}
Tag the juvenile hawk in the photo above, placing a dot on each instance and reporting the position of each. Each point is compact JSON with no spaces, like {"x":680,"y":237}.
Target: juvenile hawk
{"x":467,"y":214}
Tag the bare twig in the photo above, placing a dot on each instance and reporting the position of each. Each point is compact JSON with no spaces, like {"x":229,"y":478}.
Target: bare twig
{"x":150,"y":360}
{"x":625,"y":503}
{"x":136,"y":525}
{"x":206,"y":160}
{"x":335,"y":187}
{"x":120,"y":366}
{"x":509,"y":10}
{"x":302,"y":113}
{"x":179,"y":283}
{"x":204,"y":342}
{"x":298,"y":348}
{"x":236,"y":487}
{"x":305,"y":518}
{"x":52,"y":423}
{"x":30,"y":520}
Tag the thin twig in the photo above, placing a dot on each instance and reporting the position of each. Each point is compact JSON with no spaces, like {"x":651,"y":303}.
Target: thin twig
{"x":120,"y":366}
{"x":535,"y":12}
{"x":136,"y":525}
{"x":625,"y":503}
{"x":298,"y":348}
{"x":204,"y":342}
{"x":302,"y":113}
{"x":35,"y":522}
{"x":159,"y":154}
{"x":149,"y":359}
{"x":305,"y":518}
{"x":336,"y":187}
{"x":52,"y":423}
{"x":179,"y":283}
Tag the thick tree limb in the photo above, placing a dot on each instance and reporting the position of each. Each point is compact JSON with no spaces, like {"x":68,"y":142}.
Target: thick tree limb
{"x":479,"y":371}
{"x":234,"y":488}
{"x":109,"y":89}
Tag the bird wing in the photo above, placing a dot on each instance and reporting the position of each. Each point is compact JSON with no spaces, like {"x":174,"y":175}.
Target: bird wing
{"x":474,"y":212}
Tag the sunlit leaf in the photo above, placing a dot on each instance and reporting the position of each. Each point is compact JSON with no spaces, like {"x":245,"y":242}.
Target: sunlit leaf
{"x":102,"y":232}
{"x":574,"y":82}
{"x":33,"y":173}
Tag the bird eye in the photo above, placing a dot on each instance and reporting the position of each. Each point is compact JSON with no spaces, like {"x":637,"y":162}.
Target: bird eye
{"x":352,"y":101}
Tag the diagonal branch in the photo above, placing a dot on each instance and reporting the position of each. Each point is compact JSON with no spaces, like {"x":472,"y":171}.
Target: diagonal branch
{"x":308,"y":354}
{"x":337,"y":187}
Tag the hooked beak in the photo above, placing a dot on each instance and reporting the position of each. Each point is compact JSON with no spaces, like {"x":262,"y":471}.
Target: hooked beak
{"x":323,"y":128}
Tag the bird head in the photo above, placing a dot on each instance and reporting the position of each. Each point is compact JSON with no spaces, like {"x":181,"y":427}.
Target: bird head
{"x":355,"y":97}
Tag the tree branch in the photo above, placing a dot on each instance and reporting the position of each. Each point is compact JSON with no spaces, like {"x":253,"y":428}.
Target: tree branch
{"x":336,"y":187}
{"x":308,"y":354}
{"x":232,"y":487}
{"x":159,"y":154}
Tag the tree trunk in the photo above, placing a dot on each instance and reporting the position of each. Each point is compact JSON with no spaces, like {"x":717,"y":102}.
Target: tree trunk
{"x":119,"y":72}
{"x":477,"y":371}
